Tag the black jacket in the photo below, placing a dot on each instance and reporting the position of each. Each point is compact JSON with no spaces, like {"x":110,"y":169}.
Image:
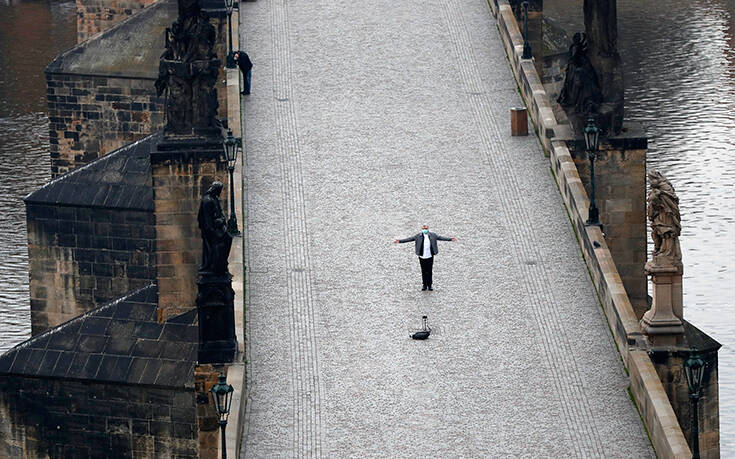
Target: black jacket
{"x":243,"y":61}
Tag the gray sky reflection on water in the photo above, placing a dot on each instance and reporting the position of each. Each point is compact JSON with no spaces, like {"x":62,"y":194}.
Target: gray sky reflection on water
{"x":31,"y":34}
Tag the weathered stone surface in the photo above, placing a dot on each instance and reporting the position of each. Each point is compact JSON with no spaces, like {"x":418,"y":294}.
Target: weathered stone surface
{"x":601,"y":26}
{"x":91,"y":236}
{"x":187,"y":73}
{"x":620,"y":193}
{"x":101,"y":94}
{"x":668,"y":359}
{"x":119,"y":342}
{"x":180,"y":177}
{"x":95,"y":16}
{"x":112,"y":382}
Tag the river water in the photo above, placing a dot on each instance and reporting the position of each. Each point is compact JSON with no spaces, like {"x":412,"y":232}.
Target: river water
{"x":31,"y":34}
{"x":679,"y":59}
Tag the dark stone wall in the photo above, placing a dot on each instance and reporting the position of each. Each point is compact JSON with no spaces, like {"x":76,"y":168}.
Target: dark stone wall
{"x":94,"y":16}
{"x":92,"y":116}
{"x":82,"y":257}
{"x":65,"y":418}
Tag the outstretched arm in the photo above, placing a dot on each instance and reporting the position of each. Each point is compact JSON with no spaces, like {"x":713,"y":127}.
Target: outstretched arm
{"x":401,"y":241}
{"x":442,"y":238}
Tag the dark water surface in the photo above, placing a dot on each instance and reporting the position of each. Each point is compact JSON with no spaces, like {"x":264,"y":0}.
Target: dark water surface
{"x":31,"y":34}
{"x":679,"y":60}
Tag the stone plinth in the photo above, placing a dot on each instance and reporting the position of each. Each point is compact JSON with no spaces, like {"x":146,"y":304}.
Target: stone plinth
{"x":182,"y":171}
{"x":666,"y":313}
{"x":620,"y":195}
{"x":215,"y":306}
{"x":668,"y":355}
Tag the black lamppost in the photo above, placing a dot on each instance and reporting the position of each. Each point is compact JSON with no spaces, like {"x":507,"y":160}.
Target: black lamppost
{"x":591,"y":139}
{"x":694,"y":370}
{"x":222,"y":396}
{"x":230,"y":4}
{"x":232,"y":145}
{"x":526,"y":45}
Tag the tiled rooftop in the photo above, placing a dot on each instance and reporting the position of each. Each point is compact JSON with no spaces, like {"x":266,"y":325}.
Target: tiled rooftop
{"x":120,"y":341}
{"x":119,"y":180}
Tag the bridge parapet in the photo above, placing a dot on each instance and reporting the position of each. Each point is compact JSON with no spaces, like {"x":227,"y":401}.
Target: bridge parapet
{"x":663,"y":407}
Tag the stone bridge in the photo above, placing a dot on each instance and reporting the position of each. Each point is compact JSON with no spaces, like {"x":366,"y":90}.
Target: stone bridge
{"x":367,"y":120}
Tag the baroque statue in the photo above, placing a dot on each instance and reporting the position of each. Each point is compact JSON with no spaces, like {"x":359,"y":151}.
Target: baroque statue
{"x":581,"y":94}
{"x":216,"y":241}
{"x":593,"y":84}
{"x":188,"y":71}
{"x":663,"y":213}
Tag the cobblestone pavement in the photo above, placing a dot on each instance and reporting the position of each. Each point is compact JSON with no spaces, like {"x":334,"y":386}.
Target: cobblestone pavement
{"x":366,"y":120}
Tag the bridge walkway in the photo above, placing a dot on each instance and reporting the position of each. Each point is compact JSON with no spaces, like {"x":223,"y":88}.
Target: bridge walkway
{"x":366,"y":120}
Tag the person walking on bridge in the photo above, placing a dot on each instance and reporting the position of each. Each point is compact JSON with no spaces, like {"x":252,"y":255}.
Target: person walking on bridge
{"x":426,"y":248}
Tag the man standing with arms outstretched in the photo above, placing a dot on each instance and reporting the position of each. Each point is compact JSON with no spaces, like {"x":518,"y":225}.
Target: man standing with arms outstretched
{"x":426,"y":248}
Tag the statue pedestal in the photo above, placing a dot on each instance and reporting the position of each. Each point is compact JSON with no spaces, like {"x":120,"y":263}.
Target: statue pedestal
{"x":665,"y":315}
{"x":215,"y":307}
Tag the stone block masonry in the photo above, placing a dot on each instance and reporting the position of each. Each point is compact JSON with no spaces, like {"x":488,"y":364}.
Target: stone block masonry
{"x":101,"y":93}
{"x":94,"y":16}
{"x":620,"y":189}
{"x":80,"y":258}
{"x":178,"y":183}
{"x":91,"y":236}
{"x":91,"y":116}
{"x":63,"y":418}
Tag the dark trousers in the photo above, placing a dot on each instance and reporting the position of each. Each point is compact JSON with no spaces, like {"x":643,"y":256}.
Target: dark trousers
{"x":426,"y":265}
{"x":246,"y":77}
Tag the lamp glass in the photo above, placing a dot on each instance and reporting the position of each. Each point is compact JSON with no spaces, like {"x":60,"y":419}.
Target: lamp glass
{"x":591,"y":135}
{"x":694,"y":370}
{"x":230,"y":144}
{"x":222,"y":395}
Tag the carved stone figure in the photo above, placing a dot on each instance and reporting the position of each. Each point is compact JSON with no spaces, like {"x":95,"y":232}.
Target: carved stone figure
{"x":188,"y":71}
{"x":581,"y":95}
{"x":601,"y":27}
{"x":216,"y":241}
{"x":663,"y":213}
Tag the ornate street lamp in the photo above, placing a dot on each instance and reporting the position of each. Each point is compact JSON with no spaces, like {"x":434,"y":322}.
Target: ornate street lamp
{"x":694,"y":370}
{"x":232,"y":145}
{"x":591,"y":140}
{"x":222,"y":396}
{"x":230,"y":4}
{"x":526,"y":46}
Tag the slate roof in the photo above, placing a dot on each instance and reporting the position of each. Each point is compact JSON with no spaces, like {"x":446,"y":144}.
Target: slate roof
{"x":130,"y":48}
{"x":121,"y":179}
{"x":119,"y":342}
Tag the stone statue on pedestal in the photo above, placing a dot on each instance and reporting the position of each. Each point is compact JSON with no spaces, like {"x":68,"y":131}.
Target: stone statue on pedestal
{"x":187,"y":73}
{"x":580,"y":96}
{"x":216,"y":241}
{"x":665,"y":267}
{"x":593,"y":85}
{"x":215,"y":297}
{"x":663,"y":212}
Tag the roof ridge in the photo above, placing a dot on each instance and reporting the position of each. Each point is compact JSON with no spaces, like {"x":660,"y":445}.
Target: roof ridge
{"x":79,"y":318}
{"x":77,"y":171}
